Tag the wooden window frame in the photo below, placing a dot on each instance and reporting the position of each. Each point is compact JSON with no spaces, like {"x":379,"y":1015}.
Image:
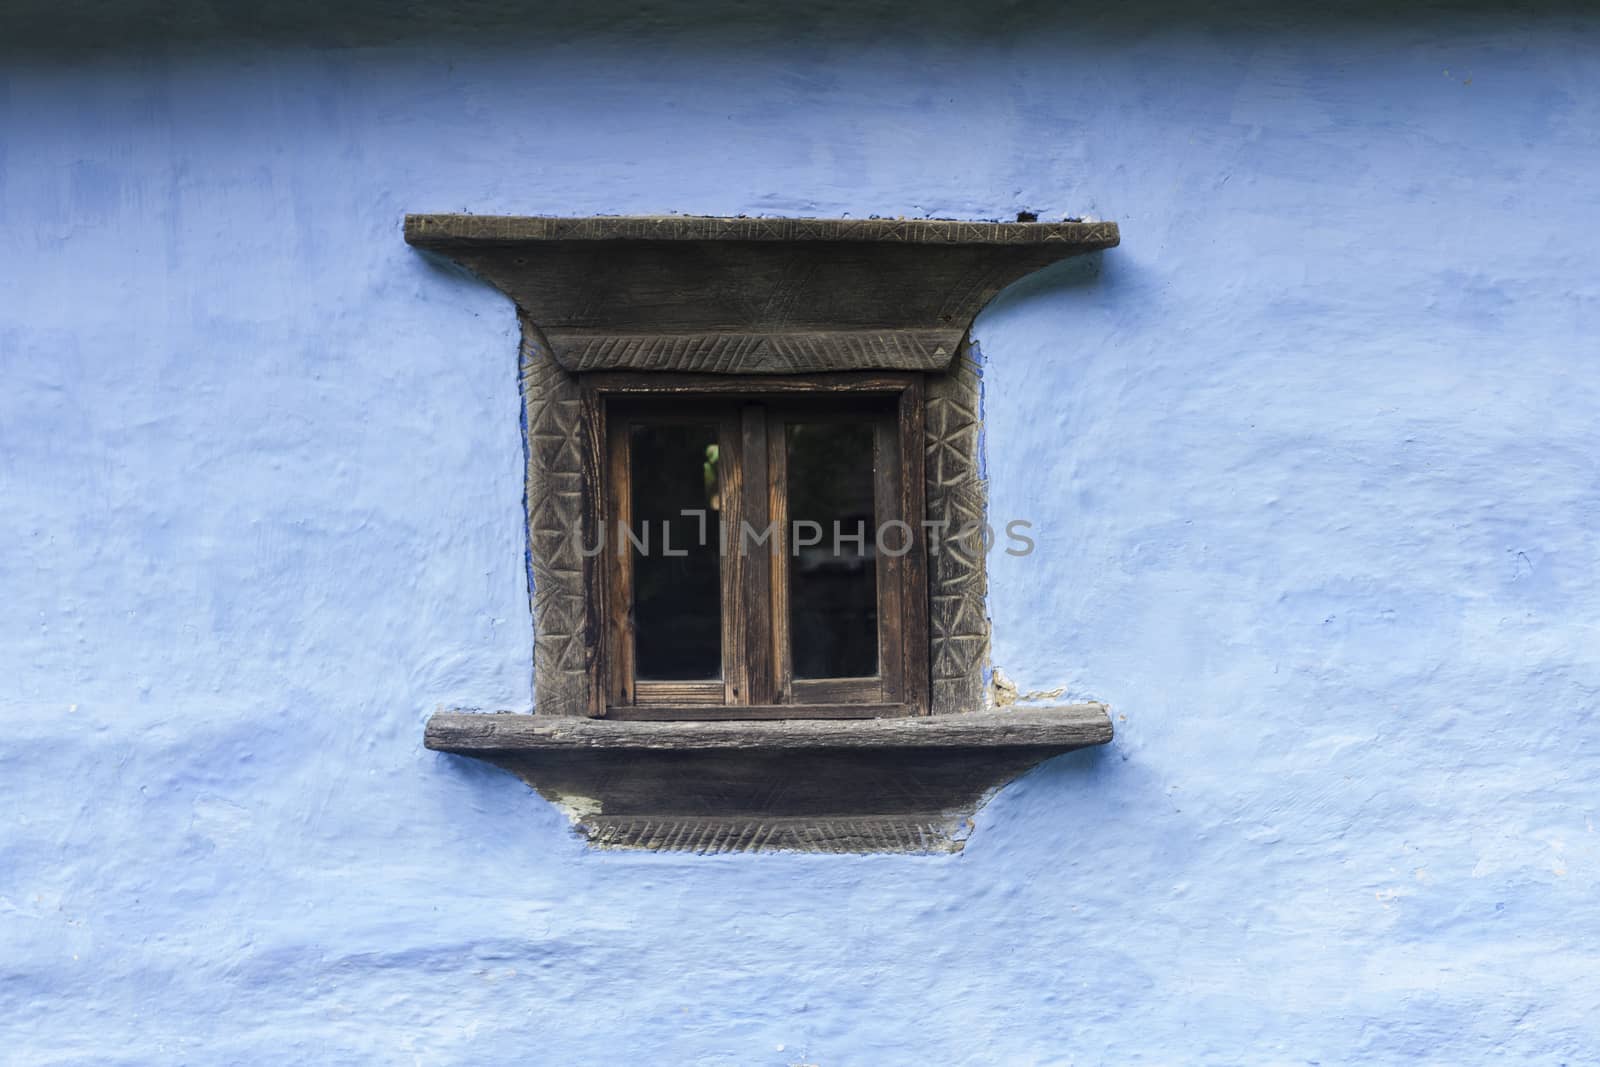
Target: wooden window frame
{"x":757,"y":679}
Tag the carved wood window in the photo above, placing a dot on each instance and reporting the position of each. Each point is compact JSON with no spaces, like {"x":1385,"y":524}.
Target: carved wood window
{"x":750,"y":302}
{"x":746,"y":367}
{"x":762,"y":542}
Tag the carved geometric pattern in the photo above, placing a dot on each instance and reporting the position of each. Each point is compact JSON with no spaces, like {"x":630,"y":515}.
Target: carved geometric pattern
{"x":823,"y":833}
{"x":428,"y":229}
{"x":555,"y":493}
{"x":757,"y":353}
{"x":957,"y":584}
{"x":973,"y":289}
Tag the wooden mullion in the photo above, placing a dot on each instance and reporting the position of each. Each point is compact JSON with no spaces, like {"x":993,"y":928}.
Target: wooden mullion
{"x":779,"y":561}
{"x":736,"y":617}
{"x":755,"y":562}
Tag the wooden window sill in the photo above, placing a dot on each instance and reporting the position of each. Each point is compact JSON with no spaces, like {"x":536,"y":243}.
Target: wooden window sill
{"x":907,"y":784}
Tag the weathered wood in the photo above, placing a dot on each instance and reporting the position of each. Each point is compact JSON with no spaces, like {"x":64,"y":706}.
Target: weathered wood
{"x":779,"y":560}
{"x":807,"y":691}
{"x":707,"y":694}
{"x":561,"y":508}
{"x":712,"y":834}
{"x":671,"y":712}
{"x":440,"y":231}
{"x":836,"y":385}
{"x":755,"y":638}
{"x":731,"y":474}
{"x":862,"y":785}
{"x":790,"y":352}
{"x":957,"y":503}
{"x":752,"y":296}
{"x":594,"y":579}
{"x":889,"y":686}
{"x":1053,"y":729}
{"x":754,"y":568}
{"x":616,"y":610}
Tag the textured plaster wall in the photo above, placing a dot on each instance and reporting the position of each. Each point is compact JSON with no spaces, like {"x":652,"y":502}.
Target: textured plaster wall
{"x":1313,"y":461}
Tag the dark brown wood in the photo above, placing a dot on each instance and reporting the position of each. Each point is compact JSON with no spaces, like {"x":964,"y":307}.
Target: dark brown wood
{"x":895,"y":597}
{"x":838,"y":691}
{"x":787,"y":296}
{"x":957,"y":641}
{"x":755,"y":637}
{"x":559,"y":497}
{"x":754,"y":563}
{"x":749,"y":385}
{"x":673,"y":712}
{"x":595,"y":580}
{"x":440,"y":231}
{"x":905,"y":784}
{"x":888,"y":686}
{"x":714,"y":834}
{"x":1060,"y":728}
{"x":706,"y":694}
{"x":618,"y":604}
{"x":778,"y":573}
{"x":789,"y":351}
{"x":622,"y":686}
{"x":735,"y":620}
{"x":958,"y":619}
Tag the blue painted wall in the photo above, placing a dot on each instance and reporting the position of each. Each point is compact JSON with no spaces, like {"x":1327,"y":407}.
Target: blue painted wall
{"x":1312,"y":460}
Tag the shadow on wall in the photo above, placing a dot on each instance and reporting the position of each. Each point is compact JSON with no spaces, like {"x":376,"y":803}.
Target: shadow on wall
{"x":54,"y":28}
{"x":1070,"y":276}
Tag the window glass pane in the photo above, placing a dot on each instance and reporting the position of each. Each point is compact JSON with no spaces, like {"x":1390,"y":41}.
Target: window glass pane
{"x":833,"y":580}
{"x":677,"y":577}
